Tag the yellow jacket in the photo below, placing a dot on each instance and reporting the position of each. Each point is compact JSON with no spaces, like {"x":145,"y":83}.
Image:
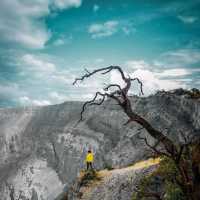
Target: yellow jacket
{"x":89,"y":157}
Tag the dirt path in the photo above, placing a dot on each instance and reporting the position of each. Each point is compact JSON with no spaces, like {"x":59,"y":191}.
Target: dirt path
{"x":113,"y":183}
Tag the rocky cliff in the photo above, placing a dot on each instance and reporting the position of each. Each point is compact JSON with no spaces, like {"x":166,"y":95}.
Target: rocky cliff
{"x":42,"y":149}
{"x":110,"y":184}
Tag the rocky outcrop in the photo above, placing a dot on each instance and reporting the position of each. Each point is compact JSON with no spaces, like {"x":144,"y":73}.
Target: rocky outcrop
{"x":42,"y":149}
{"x":112,"y":184}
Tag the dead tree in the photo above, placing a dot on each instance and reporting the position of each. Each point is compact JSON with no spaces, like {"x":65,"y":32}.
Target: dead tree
{"x":120,"y":95}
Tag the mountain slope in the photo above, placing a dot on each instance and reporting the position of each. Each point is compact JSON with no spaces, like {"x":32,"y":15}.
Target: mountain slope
{"x":117,"y":183}
{"x":42,"y":151}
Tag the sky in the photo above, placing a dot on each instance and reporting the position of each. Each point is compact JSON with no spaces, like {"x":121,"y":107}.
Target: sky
{"x":46,"y":44}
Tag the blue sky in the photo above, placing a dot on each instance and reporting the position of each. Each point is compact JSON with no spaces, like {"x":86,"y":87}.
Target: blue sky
{"x":45,"y":44}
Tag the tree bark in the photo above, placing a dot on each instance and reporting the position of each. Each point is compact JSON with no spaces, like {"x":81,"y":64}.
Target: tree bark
{"x":168,"y":144}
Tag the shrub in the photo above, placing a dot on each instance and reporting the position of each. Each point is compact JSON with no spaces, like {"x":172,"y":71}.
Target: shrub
{"x":108,"y":166}
{"x":88,"y":177}
{"x":166,"y":175}
{"x":173,"y":192}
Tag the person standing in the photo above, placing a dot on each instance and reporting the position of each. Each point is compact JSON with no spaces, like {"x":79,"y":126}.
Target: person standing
{"x":89,"y":160}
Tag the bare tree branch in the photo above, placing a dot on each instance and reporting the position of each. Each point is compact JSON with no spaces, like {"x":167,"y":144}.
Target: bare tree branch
{"x":87,"y":71}
{"x":121,"y":96}
{"x":104,"y":70}
{"x":141,"y":84}
{"x":153,"y":147}
{"x":113,"y":85}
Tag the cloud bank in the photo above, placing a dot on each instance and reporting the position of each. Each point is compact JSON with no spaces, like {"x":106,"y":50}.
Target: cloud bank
{"x":106,"y":29}
{"x":23,"y":22}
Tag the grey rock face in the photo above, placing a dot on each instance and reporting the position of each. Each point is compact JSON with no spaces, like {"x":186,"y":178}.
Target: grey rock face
{"x":42,"y":149}
{"x":117,"y":184}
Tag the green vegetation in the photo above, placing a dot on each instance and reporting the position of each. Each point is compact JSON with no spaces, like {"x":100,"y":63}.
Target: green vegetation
{"x":194,"y":93}
{"x":173,"y":192}
{"x":88,"y":177}
{"x":161,"y":184}
{"x":108,"y":166}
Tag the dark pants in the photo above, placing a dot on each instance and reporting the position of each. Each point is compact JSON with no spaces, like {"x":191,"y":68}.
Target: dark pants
{"x":89,"y":165}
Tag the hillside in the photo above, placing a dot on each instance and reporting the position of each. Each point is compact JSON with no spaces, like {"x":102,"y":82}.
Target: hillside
{"x":114,"y":184}
{"x":42,"y":151}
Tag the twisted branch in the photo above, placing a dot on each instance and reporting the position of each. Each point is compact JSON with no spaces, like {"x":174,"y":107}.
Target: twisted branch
{"x":104,"y":70}
{"x":120,"y":95}
{"x":153,"y":147}
{"x":141,"y":84}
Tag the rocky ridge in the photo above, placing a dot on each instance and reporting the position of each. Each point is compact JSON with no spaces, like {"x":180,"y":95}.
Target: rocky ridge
{"x":113,"y":184}
{"x":42,"y":149}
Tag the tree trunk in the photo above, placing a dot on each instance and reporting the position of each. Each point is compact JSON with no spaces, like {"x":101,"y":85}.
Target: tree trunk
{"x":196,"y":170}
{"x":196,"y":192}
{"x":168,"y":144}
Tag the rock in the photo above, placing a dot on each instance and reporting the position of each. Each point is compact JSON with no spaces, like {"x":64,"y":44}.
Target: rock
{"x":42,"y":149}
{"x":34,"y":195}
{"x":114,"y":184}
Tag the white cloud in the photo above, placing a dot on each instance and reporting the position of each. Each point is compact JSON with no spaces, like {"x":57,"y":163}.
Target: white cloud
{"x":187,"y":19}
{"x":10,"y":91}
{"x":87,"y":96}
{"x":21,"y":23}
{"x":62,"y":40}
{"x":136,"y":64}
{"x":115,"y":78}
{"x":37,"y":64}
{"x":106,"y":29}
{"x":95,"y":8}
{"x":99,"y":60}
{"x":57,"y":97}
{"x":174,"y":72}
{"x":181,"y":57}
{"x":154,"y":77}
{"x":62,"y":4}
{"x":59,"y":42}
{"x":62,"y":77}
{"x":24,"y":101}
{"x":126,"y":30}
{"x":127,"y":26}
{"x":40,"y":102}
{"x":152,"y":82}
